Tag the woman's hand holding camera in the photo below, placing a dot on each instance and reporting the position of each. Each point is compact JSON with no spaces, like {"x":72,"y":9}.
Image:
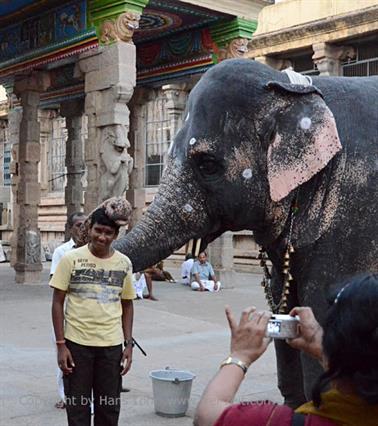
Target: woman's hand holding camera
{"x":248,"y":340}
{"x":310,"y":333}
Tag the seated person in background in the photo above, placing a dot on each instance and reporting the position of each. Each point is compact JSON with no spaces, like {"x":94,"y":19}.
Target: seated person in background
{"x":141,"y":280}
{"x":186,"y":268}
{"x":157,"y":273}
{"x":347,"y":347}
{"x":203,"y":275}
{"x":74,"y":223}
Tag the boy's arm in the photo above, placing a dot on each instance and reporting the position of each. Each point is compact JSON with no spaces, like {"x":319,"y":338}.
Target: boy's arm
{"x":127,"y":325}
{"x":65,"y":361}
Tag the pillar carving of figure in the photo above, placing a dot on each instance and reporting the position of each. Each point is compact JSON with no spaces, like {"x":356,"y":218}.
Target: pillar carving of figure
{"x":116,"y":164}
{"x":110,"y":78}
{"x":328,"y":58}
{"x":234,"y":49}
{"x":28,"y":249}
{"x":73,"y":193}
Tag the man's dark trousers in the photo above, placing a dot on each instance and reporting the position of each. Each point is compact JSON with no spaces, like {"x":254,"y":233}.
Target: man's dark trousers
{"x":96,"y":368}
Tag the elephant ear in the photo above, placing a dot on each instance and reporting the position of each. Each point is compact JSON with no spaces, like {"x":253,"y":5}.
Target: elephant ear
{"x":305,"y":140}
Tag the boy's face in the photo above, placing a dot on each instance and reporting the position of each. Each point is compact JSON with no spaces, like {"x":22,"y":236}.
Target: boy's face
{"x":102,"y":236}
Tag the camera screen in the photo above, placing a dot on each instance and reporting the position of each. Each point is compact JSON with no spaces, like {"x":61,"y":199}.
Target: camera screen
{"x":274,"y":327}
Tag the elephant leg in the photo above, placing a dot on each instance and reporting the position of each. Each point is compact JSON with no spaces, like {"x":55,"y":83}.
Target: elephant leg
{"x":289,"y":373}
{"x":311,"y":372}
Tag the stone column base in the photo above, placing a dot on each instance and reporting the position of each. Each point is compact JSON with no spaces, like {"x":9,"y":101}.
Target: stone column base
{"x":227,"y":278}
{"x":28,"y":277}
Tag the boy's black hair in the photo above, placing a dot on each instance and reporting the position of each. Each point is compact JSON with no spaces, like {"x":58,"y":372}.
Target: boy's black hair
{"x":350,"y":339}
{"x":100,"y":217}
{"x":72,"y":218}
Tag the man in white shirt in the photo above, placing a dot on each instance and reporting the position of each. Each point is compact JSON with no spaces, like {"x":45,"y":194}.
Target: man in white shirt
{"x":186,"y":268}
{"x":74,"y":222}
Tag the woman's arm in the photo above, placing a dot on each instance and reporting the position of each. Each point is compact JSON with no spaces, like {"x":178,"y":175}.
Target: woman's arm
{"x":248,"y":343}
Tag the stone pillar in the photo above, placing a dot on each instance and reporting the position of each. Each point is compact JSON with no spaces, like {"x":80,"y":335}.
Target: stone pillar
{"x":14,"y":120}
{"x":73,"y":194}
{"x":328,"y":58}
{"x":110,"y":77}
{"x":45,"y":131}
{"x":136,"y":194}
{"x":28,"y":249}
{"x":276,"y":63}
{"x":221,"y":255}
{"x":177,"y":95}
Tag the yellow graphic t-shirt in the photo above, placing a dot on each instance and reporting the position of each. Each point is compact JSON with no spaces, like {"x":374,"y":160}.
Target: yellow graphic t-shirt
{"x":94,"y":287}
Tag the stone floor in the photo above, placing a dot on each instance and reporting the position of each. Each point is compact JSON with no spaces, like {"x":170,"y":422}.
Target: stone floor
{"x":184,"y":329}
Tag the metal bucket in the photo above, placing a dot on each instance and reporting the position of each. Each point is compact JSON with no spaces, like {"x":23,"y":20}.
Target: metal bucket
{"x":171,"y":389}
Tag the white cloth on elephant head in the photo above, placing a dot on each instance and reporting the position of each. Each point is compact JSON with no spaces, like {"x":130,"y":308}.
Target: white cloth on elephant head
{"x":139,"y":284}
{"x":208,"y":284}
{"x":296,"y":78}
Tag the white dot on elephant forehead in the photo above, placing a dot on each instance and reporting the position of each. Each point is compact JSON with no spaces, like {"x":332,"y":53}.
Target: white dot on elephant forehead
{"x":305,"y":123}
{"x":247,"y":174}
{"x":188,"y":208}
{"x":192,"y":141}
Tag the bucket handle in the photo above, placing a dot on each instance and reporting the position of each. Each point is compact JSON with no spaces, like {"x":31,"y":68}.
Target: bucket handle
{"x":176,"y":380}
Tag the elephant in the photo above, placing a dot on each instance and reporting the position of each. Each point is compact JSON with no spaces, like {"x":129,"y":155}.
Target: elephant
{"x":252,"y":146}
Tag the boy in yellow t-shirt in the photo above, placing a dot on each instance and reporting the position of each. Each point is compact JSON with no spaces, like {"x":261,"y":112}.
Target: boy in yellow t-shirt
{"x":97,"y":281}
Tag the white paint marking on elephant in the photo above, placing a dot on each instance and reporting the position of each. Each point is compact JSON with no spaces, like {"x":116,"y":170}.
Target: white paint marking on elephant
{"x":187,"y":117}
{"x":247,"y":173}
{"x":188,"y":208}
{"x":305,"y":123}
{"x":192,"y":141}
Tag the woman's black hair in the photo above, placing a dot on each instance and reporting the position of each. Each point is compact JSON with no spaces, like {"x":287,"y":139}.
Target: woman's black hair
{"x":100,"y":217}
{"x":350,"y":339}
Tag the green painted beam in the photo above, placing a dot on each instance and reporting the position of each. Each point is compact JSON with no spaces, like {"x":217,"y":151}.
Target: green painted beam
{"x":237,"y":28}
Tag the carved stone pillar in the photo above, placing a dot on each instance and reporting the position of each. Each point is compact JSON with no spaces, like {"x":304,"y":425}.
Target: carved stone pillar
{"x":110,"y":77}
{"x":14,"y":120}
{"x":221,"y":254}
{"x":328,"y":58}
{"x":278,"y":64}
{"x":45,"y":131}
{"x":28,"y":250}
{"x":73,"y":194}
{"x":177,"y":95}
{"x":136,"y":194}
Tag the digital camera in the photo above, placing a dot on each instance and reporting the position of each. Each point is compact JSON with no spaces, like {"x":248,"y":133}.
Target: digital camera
{"x":282,"y":327}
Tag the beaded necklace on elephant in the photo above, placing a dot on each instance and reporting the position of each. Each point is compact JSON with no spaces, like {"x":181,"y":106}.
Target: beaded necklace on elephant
{"x":281,"y":306}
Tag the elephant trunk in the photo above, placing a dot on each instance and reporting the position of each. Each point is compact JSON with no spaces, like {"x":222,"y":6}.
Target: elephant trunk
{"x":169,"y":222}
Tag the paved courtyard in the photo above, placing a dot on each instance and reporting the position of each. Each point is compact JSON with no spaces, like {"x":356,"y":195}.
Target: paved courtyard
{"x":184,"y":329}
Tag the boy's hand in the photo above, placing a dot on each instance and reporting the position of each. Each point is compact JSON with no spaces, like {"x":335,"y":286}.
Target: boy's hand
{"x":126,"y":360}
{"x":65,"y":360}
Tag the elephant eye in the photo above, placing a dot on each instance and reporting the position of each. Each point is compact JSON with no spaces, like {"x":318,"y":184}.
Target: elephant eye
{"x":209,"y":167}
